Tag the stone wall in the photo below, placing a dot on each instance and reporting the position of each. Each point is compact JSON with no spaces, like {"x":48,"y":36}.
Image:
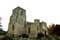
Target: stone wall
{"x":18,"y":24}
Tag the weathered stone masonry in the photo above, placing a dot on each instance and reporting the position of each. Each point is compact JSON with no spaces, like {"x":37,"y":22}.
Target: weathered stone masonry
{"x":18,"y":24}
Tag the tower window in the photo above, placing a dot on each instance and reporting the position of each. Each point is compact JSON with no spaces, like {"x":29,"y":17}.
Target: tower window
{"x":28,"y":30}
{"x":21,"y":12}
{"x":13,"y":27}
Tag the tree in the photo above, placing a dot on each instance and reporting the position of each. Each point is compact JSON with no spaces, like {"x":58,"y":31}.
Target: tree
{"x":0,"y":24}
{"x":51,"y":29}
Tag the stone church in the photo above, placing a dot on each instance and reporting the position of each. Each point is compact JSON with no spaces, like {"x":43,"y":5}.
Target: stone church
{"x":18,"y":24}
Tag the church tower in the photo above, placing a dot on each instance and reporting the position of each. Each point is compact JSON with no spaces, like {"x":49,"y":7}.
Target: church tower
{"x":17,"y":22}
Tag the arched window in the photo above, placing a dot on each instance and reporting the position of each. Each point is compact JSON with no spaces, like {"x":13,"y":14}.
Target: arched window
{"x":13,"y":27}
{"x":28,"y":30}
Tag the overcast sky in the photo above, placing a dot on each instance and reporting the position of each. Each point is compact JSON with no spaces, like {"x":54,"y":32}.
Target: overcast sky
{"x":44,"y":10}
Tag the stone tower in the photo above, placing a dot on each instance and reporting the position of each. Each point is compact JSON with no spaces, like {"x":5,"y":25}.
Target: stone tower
{"x":43,"y":27}
{"x":17,"y":22}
